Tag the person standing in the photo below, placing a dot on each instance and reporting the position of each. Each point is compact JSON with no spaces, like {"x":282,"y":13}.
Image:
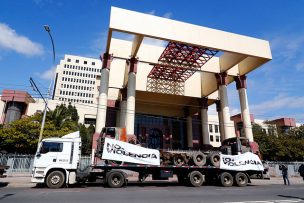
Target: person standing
{"x":284,"y":170}
{"x":301,"y":170}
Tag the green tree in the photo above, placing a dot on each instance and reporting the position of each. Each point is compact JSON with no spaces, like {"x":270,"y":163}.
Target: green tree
{"x":280,"y":146}
{"x":21,"y":136}
{"x":86,"y":138}
{"x":63,"y":114}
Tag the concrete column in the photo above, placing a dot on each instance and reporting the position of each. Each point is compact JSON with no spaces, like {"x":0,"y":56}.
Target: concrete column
{"x":103,"y":92}
{"x":123,"y":108}
{"x":204,"y":118}
{"x":220,"y":117}
{"x":189,"y":128}
{"x":241,"y":86}
{"x":130,"y":115}
{"x":222,"y":84}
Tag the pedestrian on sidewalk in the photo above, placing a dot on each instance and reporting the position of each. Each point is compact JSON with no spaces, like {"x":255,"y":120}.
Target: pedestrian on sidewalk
{"x":284,"y":170}
{"x":301,"y":170}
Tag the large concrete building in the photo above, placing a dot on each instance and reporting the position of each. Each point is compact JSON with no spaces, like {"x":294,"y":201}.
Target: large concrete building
{"x":163,"y":93}
{"x":76,"y":79}
{"x":160,"y":90}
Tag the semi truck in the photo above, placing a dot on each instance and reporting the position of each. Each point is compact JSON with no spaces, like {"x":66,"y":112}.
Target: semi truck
{"x":57,"y":162}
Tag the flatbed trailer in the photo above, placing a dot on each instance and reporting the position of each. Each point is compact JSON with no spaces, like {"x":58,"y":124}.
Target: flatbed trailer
{"x":57,"y":163}
{"x":114,"y":175}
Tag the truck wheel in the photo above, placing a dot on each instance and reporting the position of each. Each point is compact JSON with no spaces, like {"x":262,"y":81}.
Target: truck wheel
{"x":241,"y":179}
{"x":215,"y":159}
{"x":226,"y":179}
{"x":199,"y":158}
{"x":196,"y":179}
{"x":55,"y":179}
{"x":115,"y":179}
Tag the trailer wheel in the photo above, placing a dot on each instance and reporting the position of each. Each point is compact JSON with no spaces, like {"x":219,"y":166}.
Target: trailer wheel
{"x":115,"y":179}
{"x":215,"y":159}
{"x":226,"y":179}
{"x":55,"y":179}
{"x":241,"y":179}
{"x":199,"y":158}
{"x":196,"y":179}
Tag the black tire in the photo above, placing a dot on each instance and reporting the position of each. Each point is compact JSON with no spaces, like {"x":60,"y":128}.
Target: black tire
{"x":115,"y":179}
{"x":196,"y":179}
{"x":178,"y":160}
{"x":199,"y":159}
{"x":241,"y":179}
{"x":55,"y":179}
{"x":226,"y":179}
{"x":215,"y":159}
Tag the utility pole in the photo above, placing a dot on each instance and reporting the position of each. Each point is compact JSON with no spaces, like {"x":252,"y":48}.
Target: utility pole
{"x":48,"y":30}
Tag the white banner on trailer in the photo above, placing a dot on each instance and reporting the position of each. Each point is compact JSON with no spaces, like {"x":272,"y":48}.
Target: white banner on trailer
{"x":125,"y":152}
{"x":242,"y":162}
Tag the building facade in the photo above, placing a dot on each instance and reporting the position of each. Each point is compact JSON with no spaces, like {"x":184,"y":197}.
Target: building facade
{"x":76,"y":80}
{"x":163,"y":92}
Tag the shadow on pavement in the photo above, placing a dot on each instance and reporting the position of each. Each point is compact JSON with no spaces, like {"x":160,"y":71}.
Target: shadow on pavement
{"x":288,"y":196}
{"x":5,"y":196}
{"x":3,"y":184}
{"x":164,"y":184}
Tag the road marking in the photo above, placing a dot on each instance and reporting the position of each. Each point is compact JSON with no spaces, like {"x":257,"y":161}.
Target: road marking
{"x":271,"y":201}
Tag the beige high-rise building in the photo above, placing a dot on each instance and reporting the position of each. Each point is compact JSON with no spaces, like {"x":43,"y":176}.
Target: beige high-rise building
{"x":76,"y":79}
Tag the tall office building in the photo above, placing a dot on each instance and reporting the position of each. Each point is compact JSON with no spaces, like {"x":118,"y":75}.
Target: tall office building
{"x":76,"y":80}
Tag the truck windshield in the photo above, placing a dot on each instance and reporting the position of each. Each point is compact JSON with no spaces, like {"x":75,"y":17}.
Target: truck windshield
{"x":51,"y":147}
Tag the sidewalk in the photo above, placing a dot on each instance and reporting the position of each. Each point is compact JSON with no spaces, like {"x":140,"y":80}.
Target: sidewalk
{"x":25,"y":181}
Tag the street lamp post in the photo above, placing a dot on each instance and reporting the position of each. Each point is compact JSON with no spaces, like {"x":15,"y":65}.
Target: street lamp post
{"x":47,"y":28}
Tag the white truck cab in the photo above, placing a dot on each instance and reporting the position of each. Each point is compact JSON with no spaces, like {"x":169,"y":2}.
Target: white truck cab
{"x":57,"y":160}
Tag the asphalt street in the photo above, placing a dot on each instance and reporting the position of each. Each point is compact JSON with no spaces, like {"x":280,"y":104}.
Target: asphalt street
{"x":156,"y":192}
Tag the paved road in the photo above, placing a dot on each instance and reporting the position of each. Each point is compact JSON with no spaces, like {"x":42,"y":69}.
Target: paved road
{"x":156,"y":192}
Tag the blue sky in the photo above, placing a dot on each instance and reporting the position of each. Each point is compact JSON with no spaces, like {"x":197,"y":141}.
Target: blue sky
{"x":79,"y":27}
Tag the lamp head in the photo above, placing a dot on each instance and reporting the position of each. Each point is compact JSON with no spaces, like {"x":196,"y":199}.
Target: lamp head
{"x":47,"y":28}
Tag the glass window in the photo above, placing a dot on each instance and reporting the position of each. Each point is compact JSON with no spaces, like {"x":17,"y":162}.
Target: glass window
{"x":216,"y":128}
{"x":210,"y":128}
{"x":51,"y":147}
{"x":69,"y":60}
{"x":211,"y":138}
{"x":93,"y":63}
{"x":85,"y":62}
{"x":77,"y":61}
{"x":217,"y":138}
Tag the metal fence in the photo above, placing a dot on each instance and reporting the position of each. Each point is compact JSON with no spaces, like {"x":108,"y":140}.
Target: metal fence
{"x":17,"y":163}
{"x":24,"y":163}
{"x":293,"y":168}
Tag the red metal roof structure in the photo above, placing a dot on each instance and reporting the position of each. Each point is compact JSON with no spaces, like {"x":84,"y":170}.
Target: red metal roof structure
{"x":177,"y":63}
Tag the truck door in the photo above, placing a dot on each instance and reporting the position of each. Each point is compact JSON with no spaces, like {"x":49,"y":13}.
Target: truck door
{"x":48,"y":153}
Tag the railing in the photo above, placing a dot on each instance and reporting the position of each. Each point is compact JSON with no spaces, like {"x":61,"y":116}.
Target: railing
{"x":293,"y":168}
{"x":17,"y":163}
